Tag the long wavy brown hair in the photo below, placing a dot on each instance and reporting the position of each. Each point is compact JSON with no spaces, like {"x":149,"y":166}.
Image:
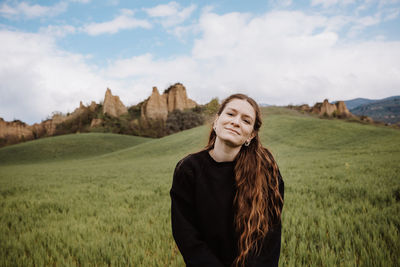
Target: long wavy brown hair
{"x":257,"y":201}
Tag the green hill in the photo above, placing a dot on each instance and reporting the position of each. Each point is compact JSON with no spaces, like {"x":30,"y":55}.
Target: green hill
{"x":342,"y":197}
{"x":72,"y":146}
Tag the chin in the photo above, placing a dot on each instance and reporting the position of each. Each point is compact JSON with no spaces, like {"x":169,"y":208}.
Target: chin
{"x":230,"y":141}
{"x":231,"y":144}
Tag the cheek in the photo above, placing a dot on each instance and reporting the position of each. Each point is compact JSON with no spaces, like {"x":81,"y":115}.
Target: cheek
{"x":222,"y":121}
{"x":223,"y":118}
{"x":249,"y":130}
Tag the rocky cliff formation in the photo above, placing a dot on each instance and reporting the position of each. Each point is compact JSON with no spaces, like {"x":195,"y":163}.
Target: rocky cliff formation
{"x":325,"y":108}
{"x":177,"y":98}
{"x":15,"y":128}
{"x":112,"y":105}
{"x":50,"y":125}
{"x":158,"y":106}
{"x":20,"y":131}
{"x":17,"y":131}
{"x":85,"y":118}
{"x":155,"y":107}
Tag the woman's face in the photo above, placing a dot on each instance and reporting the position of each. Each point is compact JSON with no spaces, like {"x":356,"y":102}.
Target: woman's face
{"x":235,"y":124}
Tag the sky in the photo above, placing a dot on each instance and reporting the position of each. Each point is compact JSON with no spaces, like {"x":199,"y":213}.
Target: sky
{"x":54,"y":54}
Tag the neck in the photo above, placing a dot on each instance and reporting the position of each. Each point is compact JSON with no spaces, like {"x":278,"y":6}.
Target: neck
{"x":223,"y":152}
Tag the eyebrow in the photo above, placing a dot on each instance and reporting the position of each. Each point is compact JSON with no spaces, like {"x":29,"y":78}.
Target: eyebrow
{"x":245,"y":115}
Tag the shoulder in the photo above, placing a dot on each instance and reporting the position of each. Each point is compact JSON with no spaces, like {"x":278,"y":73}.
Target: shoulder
{"x":186,"y":171}
{"x":191,"y":162}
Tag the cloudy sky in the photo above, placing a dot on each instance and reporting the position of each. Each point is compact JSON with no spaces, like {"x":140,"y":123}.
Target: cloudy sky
{"x":55,"y":54}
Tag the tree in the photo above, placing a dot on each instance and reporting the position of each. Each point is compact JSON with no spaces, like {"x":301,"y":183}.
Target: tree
{"x":178,"y":120}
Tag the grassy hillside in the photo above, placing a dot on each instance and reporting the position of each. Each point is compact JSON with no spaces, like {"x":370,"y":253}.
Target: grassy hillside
{"x":71,"y":146}
{"x":342,"y":198}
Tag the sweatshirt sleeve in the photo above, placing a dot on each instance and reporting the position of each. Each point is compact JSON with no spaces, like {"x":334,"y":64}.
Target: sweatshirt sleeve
{"x":270,"y":251}
{"x":195,"y":251}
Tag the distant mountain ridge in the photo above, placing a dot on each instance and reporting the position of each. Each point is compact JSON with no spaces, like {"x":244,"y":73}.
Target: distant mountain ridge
{"x":356,"y":102}
{"x":386,"y":110}
{"x":353,"y":103}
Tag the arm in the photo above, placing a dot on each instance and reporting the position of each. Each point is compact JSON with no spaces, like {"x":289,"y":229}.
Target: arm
{"x":270,"y":251}
{"x":195,"y":251}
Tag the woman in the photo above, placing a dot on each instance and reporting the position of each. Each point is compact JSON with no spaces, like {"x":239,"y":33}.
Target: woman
{"x":226,"y":200}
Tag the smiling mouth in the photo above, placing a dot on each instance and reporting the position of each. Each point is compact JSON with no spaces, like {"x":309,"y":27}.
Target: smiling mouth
{"x":231,"y":130}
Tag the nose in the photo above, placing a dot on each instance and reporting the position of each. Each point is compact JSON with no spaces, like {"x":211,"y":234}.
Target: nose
{"x":235,"y":121}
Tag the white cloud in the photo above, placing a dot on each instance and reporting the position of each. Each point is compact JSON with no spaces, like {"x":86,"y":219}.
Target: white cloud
{"x":37,"y":78}
{"x":279,"y":55}
{"x":286,"y":3}
{"x":392,"y":14}
{"x":170,"y":14}
{"x":330,"y":3}
{"x":281,"y":3}
{"x":123,"y":22}
{"x":29,"y":11}
{"x":81,"y":1}
{"x":181,"y":31}
{"x":57,"y":30}
{"x":360,"y":5}
{"x":170,"y":9}
{"x":183,"y":15}
{"x":388,"y":2}
{"x":143,"y":72}
{"x":278,"y":58}
{"x":145,"y":65}
{"x":360,"y":23}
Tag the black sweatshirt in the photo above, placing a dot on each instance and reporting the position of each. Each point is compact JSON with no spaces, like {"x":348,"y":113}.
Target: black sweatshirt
{"x":202,"y":214}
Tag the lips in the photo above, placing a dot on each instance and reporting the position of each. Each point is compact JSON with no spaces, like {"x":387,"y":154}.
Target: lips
{"x":233,"y":131}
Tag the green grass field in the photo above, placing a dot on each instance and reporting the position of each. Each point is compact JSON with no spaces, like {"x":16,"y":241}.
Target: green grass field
{"x":102,"y":199}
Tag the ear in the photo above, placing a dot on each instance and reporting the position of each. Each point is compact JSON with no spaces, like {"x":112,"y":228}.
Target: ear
{"x":253,"y":134}
{"x":215,"y":119}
